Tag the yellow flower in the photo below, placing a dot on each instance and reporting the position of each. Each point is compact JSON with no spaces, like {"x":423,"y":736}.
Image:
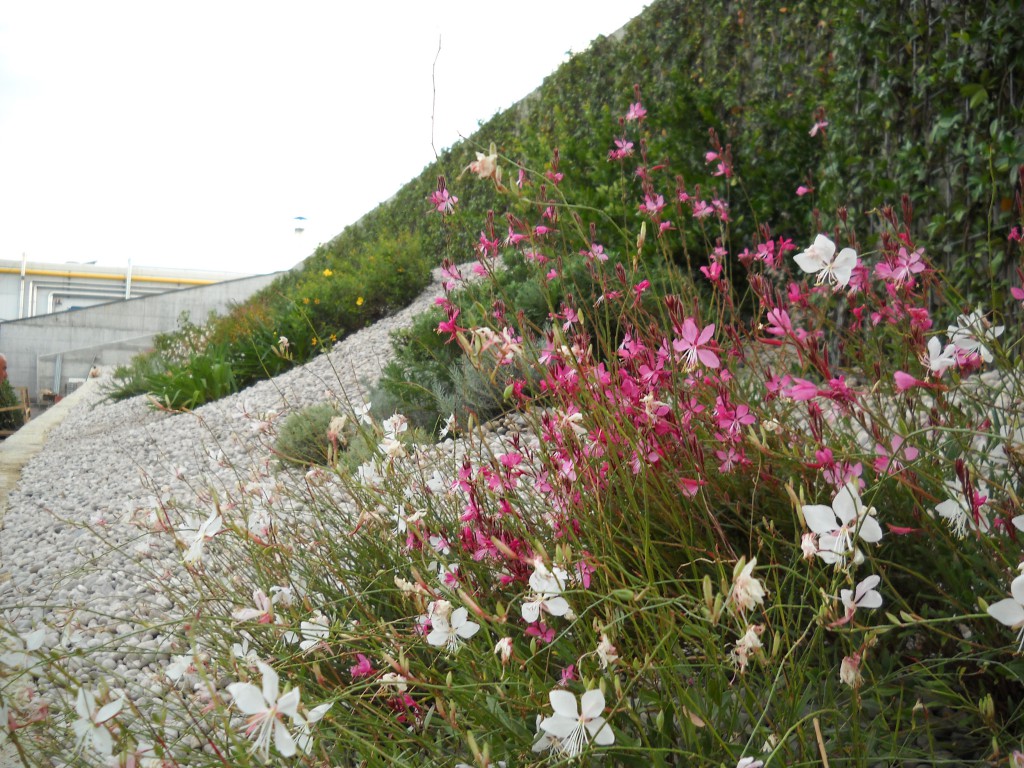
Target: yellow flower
{"x":327,"y":273}
{"x":306,"y":300}
{"x":314,"y":341}
{"x":333,"y":337}
{"x":359,"y":301}
{"x":316,"y":301}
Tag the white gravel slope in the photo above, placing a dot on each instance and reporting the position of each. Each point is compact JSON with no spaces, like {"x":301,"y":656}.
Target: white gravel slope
{"x":67,"y":541}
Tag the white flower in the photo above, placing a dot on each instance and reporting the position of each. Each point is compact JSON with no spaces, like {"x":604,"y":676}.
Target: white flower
{"x":939,"y":357}
{"x":503,"y":649}
{"x":408,"y":587}
{"x":362,"y":413}
{"x":809,"y":545}
{"x":747,"y":591}
{"x":750,"y":762}
{"x":203,"y":533}
{"x":1010,"y":610}
{"x":19,"y":657}
{"x":864,"y":595}
{"x":534,"y":605}
{"x":820,"y":258}
{"x":265,"y":710}
{"x":747,"y":646}
{"x":448,"y":428}
{"x":547,"y":585}
{"x":393,"y":682}
{"x":449,"y":633}
{"x":91,"y":725}
{"x":314,"y":632}
{"x":575,"y":728}
{"x":262,"y":613}
{"x":548,"y":582}
{"x":396,"y":425}
{"x":392,"y":447}
{"x":849,"y":670}
{"x":959,"y":514}
{"x":606,"y":652}
{"x":970,"y":333}
{"x":841,"y":524}
{"x":303,"y":736}
{"x":243,"y":653}
{"x":179,"y":667}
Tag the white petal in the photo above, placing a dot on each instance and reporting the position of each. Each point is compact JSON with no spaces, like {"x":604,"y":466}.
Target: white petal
{"x":1007,"y":611}
{"x":871,"y":599}
{"x":843,"y":266}
{"x":592,"y":703}
{"x":317,"y":713}
{"x":564,"y":704}
{"x":34,"y":640}
{"x":248,"y":698}
{"x":560,"y":726}
{"x":557,"y":606}
{"x":438,"y":636}
{"x":102,"y":741}
{"x":531,"y":611}
{"x":847,"y":504}
{"x":809,"y":262}
{"x":601,"y":732}
{"x":283,"y":740}
{"x":467,"y":629}
{"x":870,"y":530}
{"x":459,"y":615}
{"x":820,"y":519}
{"x":270,"y":680}
{"x":289,"y":703}
{"x":85,"y":704}
{"x":1017,"y":589}
{"x":824,"y":246}
{"x":109,"y":711}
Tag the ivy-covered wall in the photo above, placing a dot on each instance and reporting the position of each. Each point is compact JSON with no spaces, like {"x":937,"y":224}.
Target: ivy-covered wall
{"x":921,"y":97}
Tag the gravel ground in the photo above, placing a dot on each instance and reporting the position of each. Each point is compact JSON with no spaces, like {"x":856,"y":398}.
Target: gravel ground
{"x":69,"y":542}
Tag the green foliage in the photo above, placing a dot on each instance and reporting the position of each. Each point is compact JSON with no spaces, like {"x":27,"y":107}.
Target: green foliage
{"x":202,"y":378}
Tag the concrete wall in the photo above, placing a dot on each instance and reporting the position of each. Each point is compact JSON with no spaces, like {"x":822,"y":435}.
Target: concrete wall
{"x":68,"y":344}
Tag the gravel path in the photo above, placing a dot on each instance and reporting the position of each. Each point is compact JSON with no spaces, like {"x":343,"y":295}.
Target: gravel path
{"x":77,"y":561}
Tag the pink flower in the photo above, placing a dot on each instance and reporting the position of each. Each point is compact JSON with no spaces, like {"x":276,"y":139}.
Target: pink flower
{"x":890,"y":463}
{"x":652,"y":205}
{"x":905,"y":381}
{"x":363,"y":669}
{"x":623,"y":149}
{"x":802,"y":389}
{"x":818,"y":126}
{"x":802,"y":190}
{"x":902,"y":268}
{"x":779,"y":323}
{"x":694,"y":344}
{"x":443,"y":201}
{"x":636,"y":112}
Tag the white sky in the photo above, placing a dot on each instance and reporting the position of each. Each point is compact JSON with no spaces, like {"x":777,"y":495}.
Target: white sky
{"x":190,"y":134}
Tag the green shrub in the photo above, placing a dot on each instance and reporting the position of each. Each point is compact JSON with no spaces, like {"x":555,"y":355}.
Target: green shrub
{"x":302,"y":439}
{"x":8,"y":398}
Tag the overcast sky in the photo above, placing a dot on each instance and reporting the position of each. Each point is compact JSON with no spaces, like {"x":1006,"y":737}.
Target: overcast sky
{"x":191,"y":134}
